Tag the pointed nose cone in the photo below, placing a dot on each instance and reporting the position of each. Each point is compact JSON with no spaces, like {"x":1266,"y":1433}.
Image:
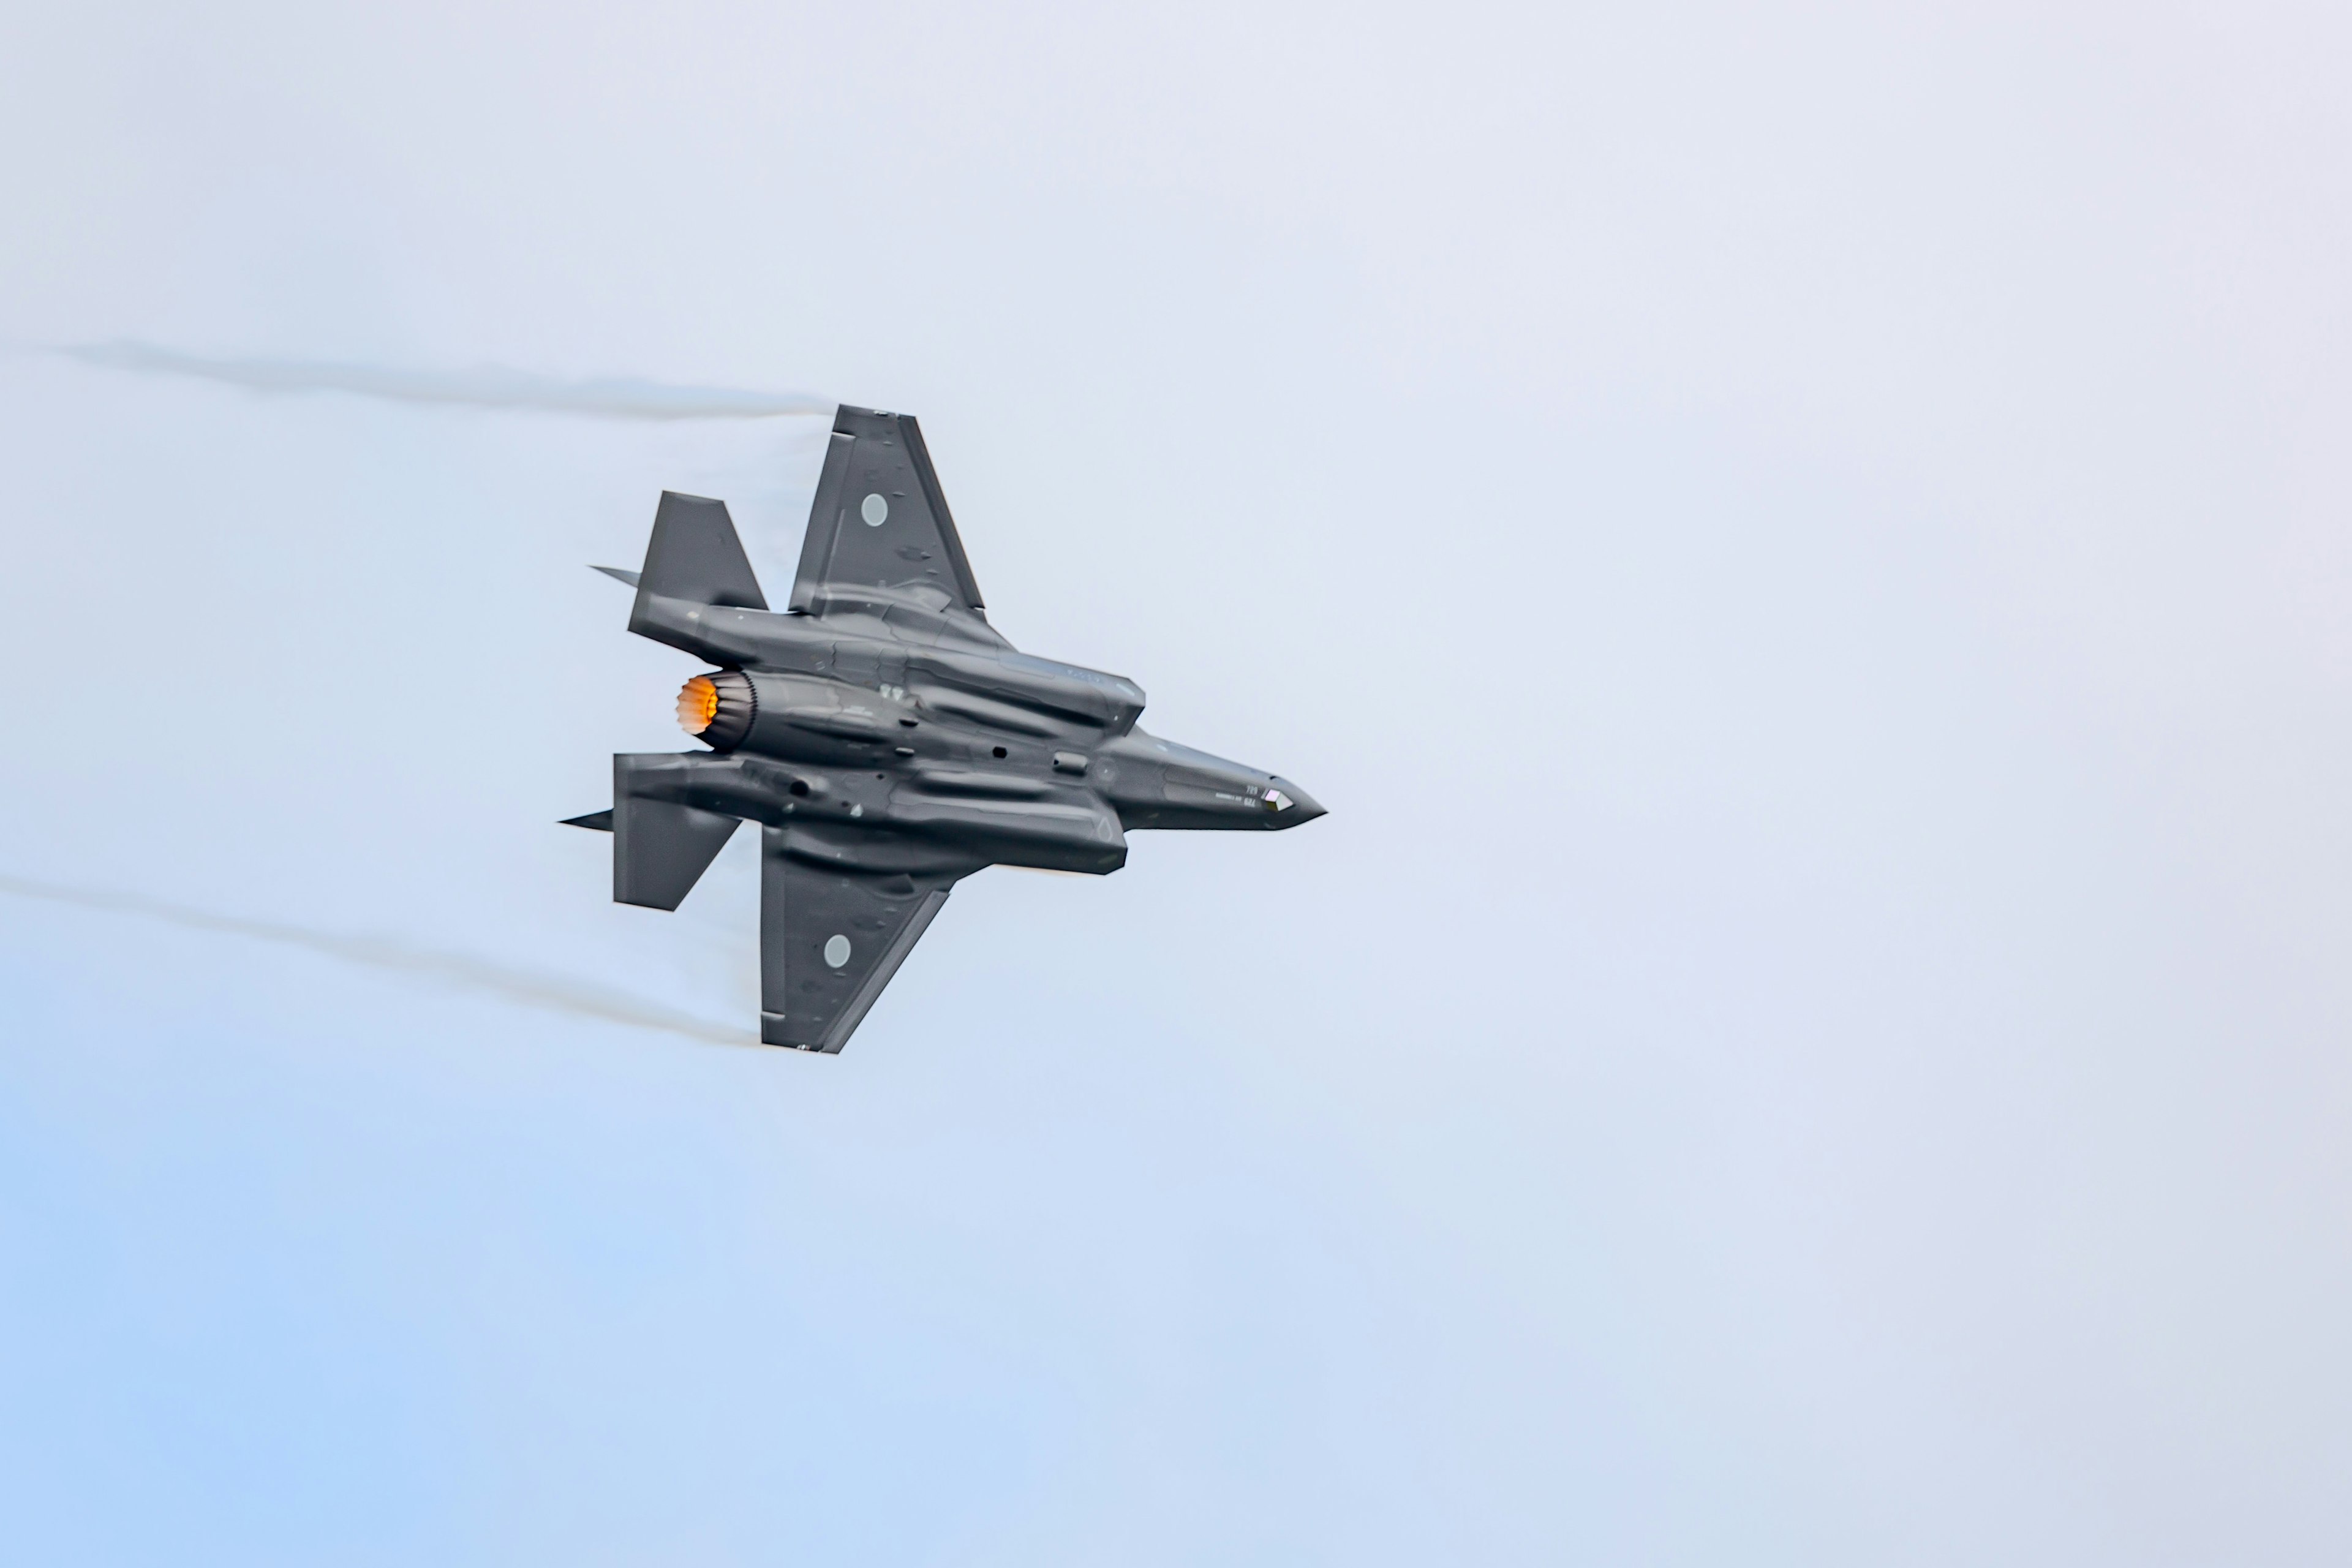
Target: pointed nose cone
{"x":1303,"y":807}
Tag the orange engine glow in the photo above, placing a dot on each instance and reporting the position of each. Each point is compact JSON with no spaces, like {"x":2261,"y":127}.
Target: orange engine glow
{"x":698,"y":705}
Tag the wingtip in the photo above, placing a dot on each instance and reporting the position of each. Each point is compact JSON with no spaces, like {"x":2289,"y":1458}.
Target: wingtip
{"x":618,"y":574}
{"x":595,"y":821}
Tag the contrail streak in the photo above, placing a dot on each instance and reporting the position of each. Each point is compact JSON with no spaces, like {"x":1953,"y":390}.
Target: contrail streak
{"x":550,"y":993}
{"x":487,"y":387}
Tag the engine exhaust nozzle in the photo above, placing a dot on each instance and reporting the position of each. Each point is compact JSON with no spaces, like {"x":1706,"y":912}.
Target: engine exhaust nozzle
{"x":717,"y":709}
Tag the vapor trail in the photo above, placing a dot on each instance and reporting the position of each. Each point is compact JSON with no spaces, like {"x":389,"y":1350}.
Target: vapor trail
{"x":549,"y":993}
{"x":485,"y":387}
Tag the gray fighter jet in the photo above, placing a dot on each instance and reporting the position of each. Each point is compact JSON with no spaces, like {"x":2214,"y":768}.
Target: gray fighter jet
{"x":885,"y":738}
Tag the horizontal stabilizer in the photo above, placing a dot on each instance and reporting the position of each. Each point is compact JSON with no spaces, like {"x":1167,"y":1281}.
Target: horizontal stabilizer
{"x":695,"y":555}
{"x":618,"y":573}
{"x":595,"y":822}
{"x":660,"y":847}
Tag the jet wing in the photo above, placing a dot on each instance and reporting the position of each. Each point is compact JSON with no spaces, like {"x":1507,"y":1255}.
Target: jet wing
{"x":879,"y":520}
{"x":830,"y":938}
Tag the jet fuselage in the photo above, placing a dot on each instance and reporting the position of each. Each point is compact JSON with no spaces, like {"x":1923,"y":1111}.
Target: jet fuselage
{"x":880,"y":720}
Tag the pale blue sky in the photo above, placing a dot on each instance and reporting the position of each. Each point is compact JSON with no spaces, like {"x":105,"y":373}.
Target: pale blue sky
{"x":1805,"y":549}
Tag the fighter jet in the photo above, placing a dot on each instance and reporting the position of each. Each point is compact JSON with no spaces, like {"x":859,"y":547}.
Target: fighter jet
{"x":886,"y":738}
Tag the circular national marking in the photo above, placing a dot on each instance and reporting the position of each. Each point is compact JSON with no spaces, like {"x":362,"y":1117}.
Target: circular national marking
{"x":874,"y":510}
{"x":836,"y":951}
